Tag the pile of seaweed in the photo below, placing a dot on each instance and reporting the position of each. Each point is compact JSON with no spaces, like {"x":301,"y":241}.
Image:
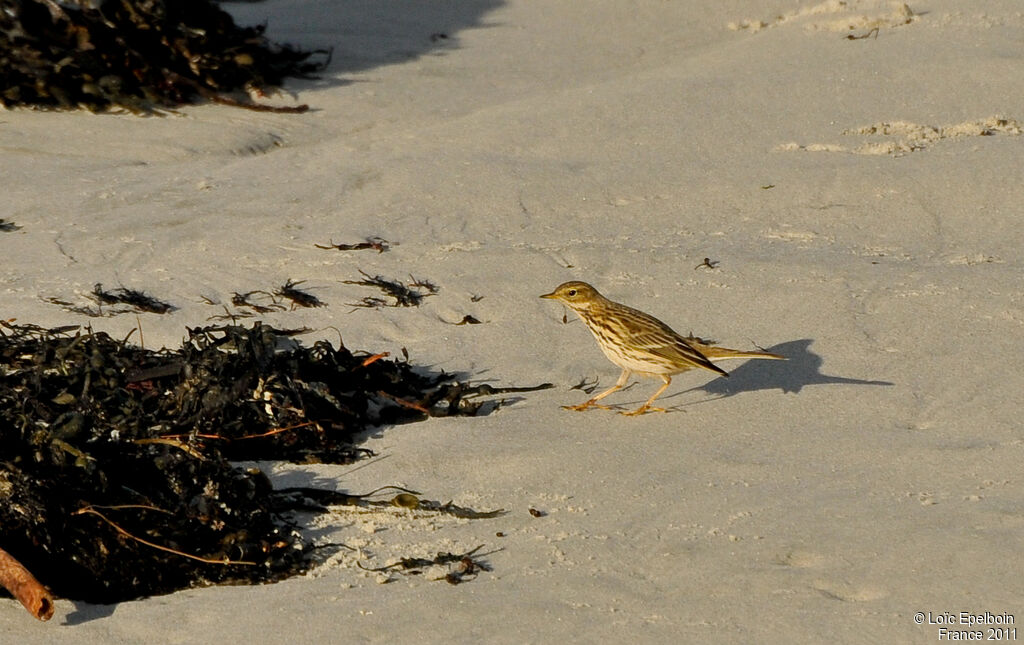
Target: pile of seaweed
{"x":114,"y":474}
{"x":138,"y":55}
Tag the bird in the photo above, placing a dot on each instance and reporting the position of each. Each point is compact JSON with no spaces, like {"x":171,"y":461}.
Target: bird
{"x":640,"y":344}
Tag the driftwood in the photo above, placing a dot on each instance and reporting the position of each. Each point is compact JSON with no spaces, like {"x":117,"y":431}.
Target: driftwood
{"x":20,"y":582}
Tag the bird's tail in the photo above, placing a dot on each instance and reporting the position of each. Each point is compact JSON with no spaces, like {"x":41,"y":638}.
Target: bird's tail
{"x":716,"y":353}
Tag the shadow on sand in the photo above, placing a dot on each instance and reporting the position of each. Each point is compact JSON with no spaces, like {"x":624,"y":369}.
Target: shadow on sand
{"x":363,"y":34}
{"x":801,"y":370}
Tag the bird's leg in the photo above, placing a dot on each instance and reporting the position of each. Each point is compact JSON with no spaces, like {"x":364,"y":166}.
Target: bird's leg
{"x":592,"y":403}
{"x":646,"y":407}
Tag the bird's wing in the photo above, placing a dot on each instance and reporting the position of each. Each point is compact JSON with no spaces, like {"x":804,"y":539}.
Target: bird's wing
{"x":659,"y":339}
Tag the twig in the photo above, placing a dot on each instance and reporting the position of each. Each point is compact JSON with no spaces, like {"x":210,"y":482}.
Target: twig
{"x":403,"y":402}
{"x":277,"y":431}
{"x":225,"y":561}
{"x":184,"y":447}
{"x":20,"y":582}
{"x":373,"y":359}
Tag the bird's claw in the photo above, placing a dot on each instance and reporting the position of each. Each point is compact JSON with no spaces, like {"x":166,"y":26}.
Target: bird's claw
{"x":643,"y":409}
{"x":586,"y":406}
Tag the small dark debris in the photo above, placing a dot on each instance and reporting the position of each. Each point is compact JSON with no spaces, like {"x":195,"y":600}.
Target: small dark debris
{"x":872,"y":32}
{"x":298,"y":298}
{"x":475,"y":298}
{"x":7,"y":226}
{"x":440,"y":35}
{"x":231,"y":316}
{"x":420,"y":283}
{"x":534,"y":512}
{"x":376,"y":243}
{"x":585,"y":386}
{"x":467,"y":320}
{"x":702,"y":341}
{"x":709,"y":263}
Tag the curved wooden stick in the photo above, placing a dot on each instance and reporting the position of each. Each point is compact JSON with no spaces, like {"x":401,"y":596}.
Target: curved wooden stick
{"x":18,"y":580}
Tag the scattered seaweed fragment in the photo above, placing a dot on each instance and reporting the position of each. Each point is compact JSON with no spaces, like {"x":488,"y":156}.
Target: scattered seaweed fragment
{"x":233,"y":316}
{"x":135,"y":299}
{"x":298,"y":297}
{"x":315,"y":499}
{"x":403,"y":295}
{"x":115,"y":481}
{"x":244,"y":300}
{"x":92,"y":312}
{"x":585,"y":386}
{"x":376,"y":243}
{"x":138,"y":55}
{"x":246,"y":306}
{"x":467,"y":566}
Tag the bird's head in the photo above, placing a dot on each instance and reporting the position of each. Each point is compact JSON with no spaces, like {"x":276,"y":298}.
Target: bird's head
{"x":577,"y":295}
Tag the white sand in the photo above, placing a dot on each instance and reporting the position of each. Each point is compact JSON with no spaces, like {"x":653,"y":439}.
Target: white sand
{"x":827,"y":499}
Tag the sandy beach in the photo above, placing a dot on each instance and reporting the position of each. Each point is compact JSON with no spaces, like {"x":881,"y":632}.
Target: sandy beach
{"x":851,"y":171}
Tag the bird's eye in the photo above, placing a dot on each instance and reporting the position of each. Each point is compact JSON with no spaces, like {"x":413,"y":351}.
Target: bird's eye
{"x":572,"y":292}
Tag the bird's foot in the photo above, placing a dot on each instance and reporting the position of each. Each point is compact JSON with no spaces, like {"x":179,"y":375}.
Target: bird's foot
{"x":643,"y":409}
{"x":586,"y":405}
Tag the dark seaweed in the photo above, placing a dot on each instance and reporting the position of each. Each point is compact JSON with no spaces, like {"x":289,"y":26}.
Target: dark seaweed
{"x":403,"y":295}
{"x":376,"y":243}
{"x":115,"y":480}
{"x":298,"y":297}
{"x":137,"y":300}
{"x":139,"y":55}
{"x":243,"y":300}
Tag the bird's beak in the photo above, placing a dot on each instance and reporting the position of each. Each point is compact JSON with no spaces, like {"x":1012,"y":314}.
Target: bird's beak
{"x":550,"y":296}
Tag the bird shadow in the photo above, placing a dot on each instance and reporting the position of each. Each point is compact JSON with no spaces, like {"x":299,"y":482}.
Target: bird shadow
{"x":802,"y":369}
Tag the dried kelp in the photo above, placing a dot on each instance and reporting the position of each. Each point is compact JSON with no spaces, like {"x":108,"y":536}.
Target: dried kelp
{"x":298,"y":297}
{"x":403,"y":295}
{"x":315,"y":499}
{"x":467,"y":566}
{"x":114,"y":474}
{"x":139,"y":55}
{"x":92,"y":312}
{"x":135,"y":299}
{"x":245,"y":300}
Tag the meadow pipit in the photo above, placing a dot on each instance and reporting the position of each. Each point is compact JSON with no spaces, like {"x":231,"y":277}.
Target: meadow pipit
{"x":640,"y":343}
